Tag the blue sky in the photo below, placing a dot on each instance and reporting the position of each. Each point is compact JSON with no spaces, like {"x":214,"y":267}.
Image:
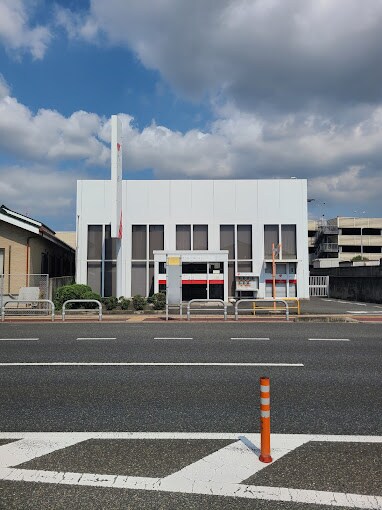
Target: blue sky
{"x":219,"y":89}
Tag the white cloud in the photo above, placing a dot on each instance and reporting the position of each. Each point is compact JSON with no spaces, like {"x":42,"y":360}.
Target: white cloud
{"x":257,"y":52}
{"x":37,"y":190}
{"x":237,"y":145}
{"x":17,"y":34}
{"x":48,"y":135}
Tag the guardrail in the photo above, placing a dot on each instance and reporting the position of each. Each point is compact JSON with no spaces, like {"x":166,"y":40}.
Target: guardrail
{"x":208,"y":309}
{"x":297,"y":306}
{"x":270,"y":300}
{"x":28,"y":310}
{"x":83,"y":309}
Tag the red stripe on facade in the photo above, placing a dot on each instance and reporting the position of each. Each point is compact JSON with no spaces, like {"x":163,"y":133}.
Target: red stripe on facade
{"x":196,"y":282}
{"x":281,"y":281}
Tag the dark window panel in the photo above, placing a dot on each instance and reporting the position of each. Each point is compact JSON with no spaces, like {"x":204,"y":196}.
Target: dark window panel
{"x":94,"y":242}
{"x":288,"y":241}
{"x":156,"y":239}
{"x":271,"y":236}
{"x":110,"y":245}
{"x":244,"y":241}
{"x":183,"y":237}
{"x":139,"y":242}
{"x":227,"y":240}
{"x":138,"y":278}
{"x":200,"y":237}
{"x":94,"y":276}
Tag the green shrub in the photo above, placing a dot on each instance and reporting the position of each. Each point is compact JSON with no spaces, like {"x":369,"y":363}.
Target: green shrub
{"x":66,"y":292}
{"x":110,"y":303}
{"x":124,"y":303}
{"x":90,"y":295}
{"x":139,"y":302}
{"x":159,"y":301}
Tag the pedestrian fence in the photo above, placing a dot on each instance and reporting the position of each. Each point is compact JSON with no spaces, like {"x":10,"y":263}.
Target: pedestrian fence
{"x":256,"y":301}
{"x":212,"y":301}
{"x":23,"y":306}
{"x":293,"y":304}
{"x":319,"y":286}
{"x":81,"y":310}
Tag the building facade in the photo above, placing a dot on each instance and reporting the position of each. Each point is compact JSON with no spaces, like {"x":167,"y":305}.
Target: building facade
{"x":222,"y":229}
{"x":342,"y":239}
{"x":28,"y":247}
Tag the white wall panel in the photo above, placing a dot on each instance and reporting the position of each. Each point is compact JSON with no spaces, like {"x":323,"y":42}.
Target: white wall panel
{"x":225,"y":201}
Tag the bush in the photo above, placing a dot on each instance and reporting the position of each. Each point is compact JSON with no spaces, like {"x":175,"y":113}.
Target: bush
{"x":110,"y":303}
{"x":139,"y":302}
{"x":66,"y":292}
{"x":124,"y":303}
{"x":90,"y":295}
{"x":159,"y":301}
{"x":359,"y":258}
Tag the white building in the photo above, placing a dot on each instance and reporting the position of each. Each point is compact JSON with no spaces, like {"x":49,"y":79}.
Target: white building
{"x":222,"y":229}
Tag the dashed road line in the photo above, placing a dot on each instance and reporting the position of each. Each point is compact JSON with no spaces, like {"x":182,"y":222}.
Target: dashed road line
{"x":19,"y":339}
{"x":173,"y":338}
{"x":249,"y":338}
{"x":96,"y":338}
{"x":329,"y":339}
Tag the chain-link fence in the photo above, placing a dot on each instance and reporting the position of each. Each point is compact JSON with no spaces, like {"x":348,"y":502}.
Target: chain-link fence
{"x":21,"y":294}
{"x":56,"y":283}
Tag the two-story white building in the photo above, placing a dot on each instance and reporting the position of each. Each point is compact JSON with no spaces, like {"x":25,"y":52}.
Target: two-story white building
{"x":223,"y":230}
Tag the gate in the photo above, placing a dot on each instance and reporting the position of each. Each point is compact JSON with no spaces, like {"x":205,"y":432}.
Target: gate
{"x":319,"y":286}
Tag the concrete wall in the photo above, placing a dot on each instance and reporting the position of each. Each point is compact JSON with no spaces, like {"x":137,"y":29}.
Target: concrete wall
{"x":354,"y":283}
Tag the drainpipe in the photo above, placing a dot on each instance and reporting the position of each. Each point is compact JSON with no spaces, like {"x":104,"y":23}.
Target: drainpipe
{"x":27,"y":262}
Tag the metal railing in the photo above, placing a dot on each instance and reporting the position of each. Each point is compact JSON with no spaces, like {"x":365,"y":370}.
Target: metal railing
{"x":270,"y":300}
{"x":64,"y":311}
{"x":208,"y":309}
{"x":27,"y":311}
{"x":318,"y":286}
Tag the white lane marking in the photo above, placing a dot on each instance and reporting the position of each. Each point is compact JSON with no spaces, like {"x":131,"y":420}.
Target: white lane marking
{"x":217,"y":474}
{"x":359,"y":304}
{"x":198,"y":487}
{"x":288,"y":441}
{"x":19,"y":339}
{"x":96,"y":338}
{"x":148,"y":364}
{"x":24,"y":450}
{"x":329,"y":339}
{"x":365,"y":312}
{"x":172,"y":338}
{"x":232,"y":464}
{"x":249,"y":338}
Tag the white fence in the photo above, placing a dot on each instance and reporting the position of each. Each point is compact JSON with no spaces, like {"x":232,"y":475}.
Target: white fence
{"x":319,"y":286}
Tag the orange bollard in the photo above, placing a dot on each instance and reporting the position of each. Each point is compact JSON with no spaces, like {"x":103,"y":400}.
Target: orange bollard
{"x":265,"y":420}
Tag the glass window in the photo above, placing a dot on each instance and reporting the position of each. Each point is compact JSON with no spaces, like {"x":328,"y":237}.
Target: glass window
{"x":110,"y":279}
{"x":227,"y":240}
{"x":183,"y":237}
{"x":244,"y":241}
{"x":110,"y":245}
{"x":200,"y":240}
{"x":151,"y":278}
{"x":244,"y":267}
{"x":231,"y":279}
{"x":139,"y":242}
{"x":2,"y":260}
{"x":94,"y":242}
{"x":271,"y":236}
{"x":94,"y":276}
{"x":162,"y":268}
{"x":138,"y":278}
{"x":288,"y":241}
{"x":156,"y":239}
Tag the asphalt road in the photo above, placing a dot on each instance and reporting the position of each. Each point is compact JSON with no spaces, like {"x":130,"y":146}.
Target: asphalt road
{"x":159,"y":378}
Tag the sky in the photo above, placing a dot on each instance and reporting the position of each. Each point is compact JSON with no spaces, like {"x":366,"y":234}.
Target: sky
{"x":216,"y":89}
